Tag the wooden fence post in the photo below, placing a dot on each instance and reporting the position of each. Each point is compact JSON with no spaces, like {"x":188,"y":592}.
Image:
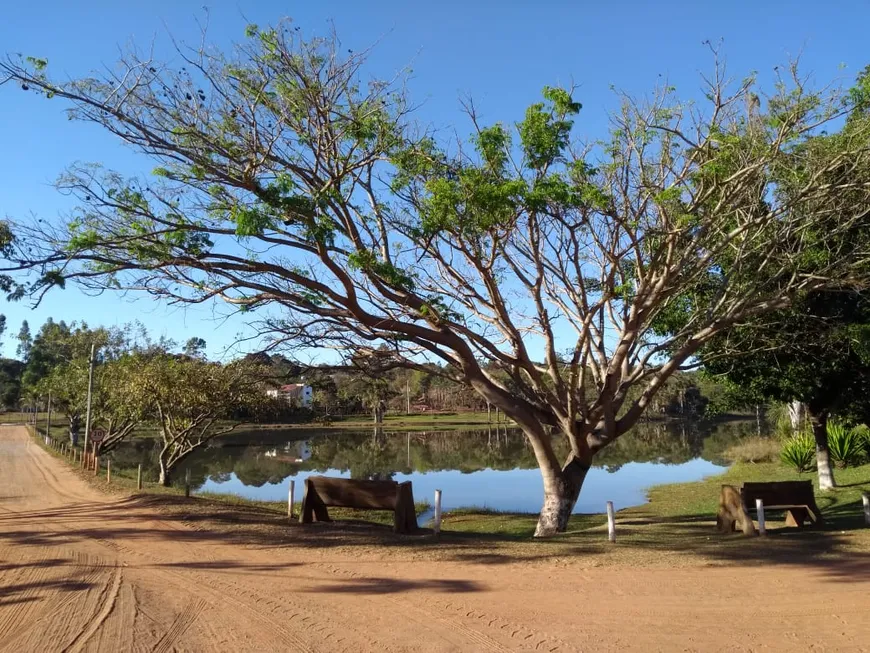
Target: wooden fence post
{"x":611,"y":523}
{"x":290,"y":497}
{"x":187,"y":482}
{"x":866,"y":499}
{"x":759,"y":507}
{"x":436,"y":525}
{"x":139,"y":477}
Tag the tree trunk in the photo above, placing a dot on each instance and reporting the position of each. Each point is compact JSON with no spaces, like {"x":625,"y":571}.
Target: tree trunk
{"x":164,"y":479}
{"x":819,"y":422}
{"x":74,"y":421}
{"x":796,"y":415}
{"x":561,"y":489}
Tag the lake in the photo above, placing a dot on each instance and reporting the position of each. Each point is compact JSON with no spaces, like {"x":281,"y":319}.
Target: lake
{"x":490,"y":467}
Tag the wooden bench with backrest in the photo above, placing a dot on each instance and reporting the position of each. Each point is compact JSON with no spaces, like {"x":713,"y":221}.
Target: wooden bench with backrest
{"x":796,"y":498}
{"x":324,"y":491}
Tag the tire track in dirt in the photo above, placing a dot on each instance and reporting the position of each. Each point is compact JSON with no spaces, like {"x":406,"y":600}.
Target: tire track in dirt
{"x":108,"y":603}
{"x":22,"y":603}
{"x":450,"y":625}
{"x":182,"y":622}
{"x":83,"y":573}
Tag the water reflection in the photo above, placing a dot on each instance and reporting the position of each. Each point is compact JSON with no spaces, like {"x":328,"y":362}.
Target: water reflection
{"x":490,"y":467}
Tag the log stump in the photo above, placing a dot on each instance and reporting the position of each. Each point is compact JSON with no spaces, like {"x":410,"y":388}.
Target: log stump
{"x":732,"y":513}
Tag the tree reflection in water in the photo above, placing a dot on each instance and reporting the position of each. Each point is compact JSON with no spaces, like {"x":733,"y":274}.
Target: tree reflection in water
{"x":261,"y":457}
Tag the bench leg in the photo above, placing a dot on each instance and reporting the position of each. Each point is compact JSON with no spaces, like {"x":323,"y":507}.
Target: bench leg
{"x":796,"y":517}
{"x":815,"y":514}
{"x":313,"y":508}
{"x":405,"y":515}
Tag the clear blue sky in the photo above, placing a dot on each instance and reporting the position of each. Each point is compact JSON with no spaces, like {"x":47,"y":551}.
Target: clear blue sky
{"x":500,"y":53}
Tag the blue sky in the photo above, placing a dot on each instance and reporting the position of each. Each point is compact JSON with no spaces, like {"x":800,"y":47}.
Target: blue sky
{"x":500,"y":53}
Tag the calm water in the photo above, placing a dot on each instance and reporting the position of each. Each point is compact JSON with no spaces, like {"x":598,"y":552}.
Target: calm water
{"x":491,"y":468}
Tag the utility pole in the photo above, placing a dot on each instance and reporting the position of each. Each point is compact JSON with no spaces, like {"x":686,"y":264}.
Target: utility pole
{"x":48,"y":417}
{"x":90,"y":392}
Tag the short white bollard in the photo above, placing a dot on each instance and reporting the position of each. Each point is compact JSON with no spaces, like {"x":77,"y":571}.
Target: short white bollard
{"x":611,"y":523}
{"x":291,"y":495}
{"x":436,"y":524}
{"x":759,"y":507}
{"x":866,"y":499}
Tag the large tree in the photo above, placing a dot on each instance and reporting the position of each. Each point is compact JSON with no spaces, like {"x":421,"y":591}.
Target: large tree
{"x":532,"y":267}
{"x":816,"y":352}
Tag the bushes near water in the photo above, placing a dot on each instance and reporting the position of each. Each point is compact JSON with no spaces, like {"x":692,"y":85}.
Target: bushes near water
{"x":753,"y":449}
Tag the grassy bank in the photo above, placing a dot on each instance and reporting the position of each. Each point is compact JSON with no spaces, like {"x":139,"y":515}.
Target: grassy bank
{"x":676,"y":527}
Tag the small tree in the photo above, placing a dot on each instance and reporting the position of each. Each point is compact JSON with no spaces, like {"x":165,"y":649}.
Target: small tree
{"x":118,"y":406}
{"x":534,"y":268}
{"x":25,"y":342}
{"x":196,"y":401}
{"x":194,"y":347}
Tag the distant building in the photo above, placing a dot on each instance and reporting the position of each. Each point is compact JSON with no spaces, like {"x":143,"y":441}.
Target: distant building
{"x":293,"y":393}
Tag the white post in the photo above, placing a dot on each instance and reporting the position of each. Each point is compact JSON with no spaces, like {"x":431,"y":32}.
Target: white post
{"x":109,"y":470}
{"x":291,"y":496}
{"x":759,"y":507}
{"x":436,"y":527}
{"x":866,"y":499}
{"x":611,"y":523}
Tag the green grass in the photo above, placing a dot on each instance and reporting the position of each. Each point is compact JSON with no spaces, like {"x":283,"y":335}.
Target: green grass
{"x":680,"y":519}
{"x":15,"y":417}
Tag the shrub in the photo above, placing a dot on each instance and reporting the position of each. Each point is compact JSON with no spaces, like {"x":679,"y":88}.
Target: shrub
{"x":845,"y":443}
{"x":798,"y":451}
{"x":754,"y":449}
{"x":863,"y":432}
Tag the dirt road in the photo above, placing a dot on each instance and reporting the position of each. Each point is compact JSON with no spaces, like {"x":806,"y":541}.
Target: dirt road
{"x":81,"y":571}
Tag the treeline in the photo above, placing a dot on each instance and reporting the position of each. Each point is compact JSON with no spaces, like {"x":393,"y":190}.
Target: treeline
{"x":55,"y":361}
{"x":136,"y":382}
{"x":357,"y":390}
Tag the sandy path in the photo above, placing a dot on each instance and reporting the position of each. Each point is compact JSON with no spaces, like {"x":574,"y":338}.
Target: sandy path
{"x":80,"y":571}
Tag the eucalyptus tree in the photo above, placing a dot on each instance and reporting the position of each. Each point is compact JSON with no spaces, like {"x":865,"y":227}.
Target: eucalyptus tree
{"x":58,"y":363}
{"x":293,"y":189}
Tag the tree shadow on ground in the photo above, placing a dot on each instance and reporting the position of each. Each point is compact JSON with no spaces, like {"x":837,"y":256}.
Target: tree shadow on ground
{"x":29,"y":591}
{"x":840,"y":550}
{"x":395,"y":586}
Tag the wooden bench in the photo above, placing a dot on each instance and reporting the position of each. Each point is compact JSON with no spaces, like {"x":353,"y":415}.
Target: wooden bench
{"x":324,"y":491}
{"x":796,"y":498}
